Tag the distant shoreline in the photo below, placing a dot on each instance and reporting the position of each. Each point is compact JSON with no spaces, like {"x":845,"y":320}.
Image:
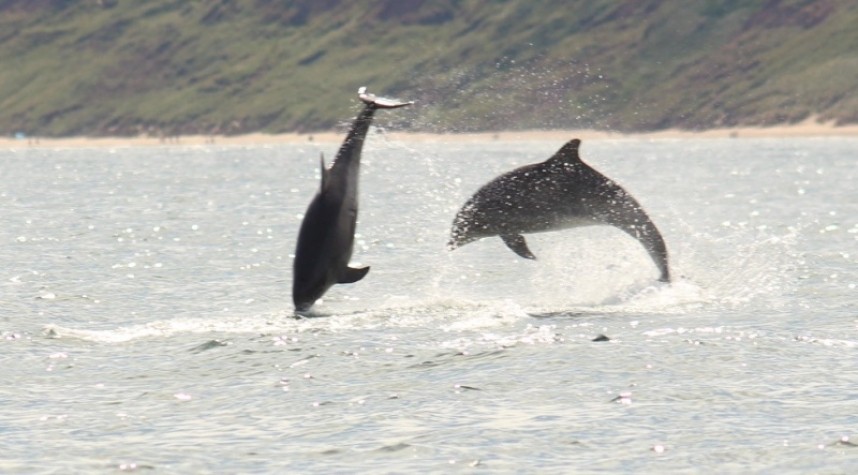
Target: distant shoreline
{"x":808,"y":128}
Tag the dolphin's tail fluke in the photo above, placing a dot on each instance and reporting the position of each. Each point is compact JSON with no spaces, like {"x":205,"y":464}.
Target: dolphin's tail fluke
{"x":381,"y":102}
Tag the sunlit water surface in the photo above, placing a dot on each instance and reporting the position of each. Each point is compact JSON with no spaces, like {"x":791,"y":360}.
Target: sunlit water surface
{"x":147,"y":324}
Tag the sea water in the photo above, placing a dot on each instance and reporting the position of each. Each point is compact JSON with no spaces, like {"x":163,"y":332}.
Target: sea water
{"x":146,"y":321}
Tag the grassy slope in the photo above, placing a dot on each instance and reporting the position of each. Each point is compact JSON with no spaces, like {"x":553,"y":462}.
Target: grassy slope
{"x":126,"y":67}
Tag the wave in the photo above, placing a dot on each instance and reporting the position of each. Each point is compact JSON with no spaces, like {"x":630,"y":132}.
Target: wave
{"x":449,"y":315}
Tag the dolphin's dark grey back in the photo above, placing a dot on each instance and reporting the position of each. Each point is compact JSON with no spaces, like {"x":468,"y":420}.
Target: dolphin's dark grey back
{"x":625,"y":213}
{"x":350,"y":151}
{"x":622,"y":211}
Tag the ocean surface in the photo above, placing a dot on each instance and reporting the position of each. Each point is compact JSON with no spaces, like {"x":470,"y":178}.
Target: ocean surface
{"x":146,"y":322}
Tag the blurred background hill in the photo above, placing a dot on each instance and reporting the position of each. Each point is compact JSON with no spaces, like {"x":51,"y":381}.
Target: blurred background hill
{"x":127,"y":67}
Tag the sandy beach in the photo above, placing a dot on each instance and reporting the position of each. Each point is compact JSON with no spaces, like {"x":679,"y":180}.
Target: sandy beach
{"x":808,"y":128}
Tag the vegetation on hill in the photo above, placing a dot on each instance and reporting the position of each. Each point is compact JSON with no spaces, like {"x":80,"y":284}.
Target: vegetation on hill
{"x":123,"y":67}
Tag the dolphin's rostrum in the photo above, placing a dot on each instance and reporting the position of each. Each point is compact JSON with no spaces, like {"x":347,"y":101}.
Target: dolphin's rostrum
{"x":326,"y":238}
{"x":561,"y":192}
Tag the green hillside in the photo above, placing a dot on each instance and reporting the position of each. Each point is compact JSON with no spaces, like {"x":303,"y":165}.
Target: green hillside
{"x":125,"y":67}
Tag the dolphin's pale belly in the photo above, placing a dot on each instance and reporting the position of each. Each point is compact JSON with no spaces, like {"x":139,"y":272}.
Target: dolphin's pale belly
{"x":565,"y":222}
{"x":526,"y":221}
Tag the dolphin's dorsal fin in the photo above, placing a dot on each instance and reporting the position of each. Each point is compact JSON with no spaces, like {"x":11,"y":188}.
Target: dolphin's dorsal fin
{"x":518,"y":245}
{"x":568,"y":153}
{"x":324,"y":171}
{"x":350,"y":275}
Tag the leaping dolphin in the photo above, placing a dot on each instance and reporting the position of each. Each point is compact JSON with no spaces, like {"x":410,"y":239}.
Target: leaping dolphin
{"x":326,"y":238}
{"x":561,"y":192}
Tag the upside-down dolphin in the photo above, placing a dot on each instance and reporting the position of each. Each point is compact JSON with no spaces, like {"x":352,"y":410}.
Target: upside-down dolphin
{"x":561,"y":192}
{"x":326,"y":238}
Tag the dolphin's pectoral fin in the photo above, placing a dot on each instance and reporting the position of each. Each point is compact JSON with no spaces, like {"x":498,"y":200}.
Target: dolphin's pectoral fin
{"x":518,"y":245}
{"x":351,"y":275}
